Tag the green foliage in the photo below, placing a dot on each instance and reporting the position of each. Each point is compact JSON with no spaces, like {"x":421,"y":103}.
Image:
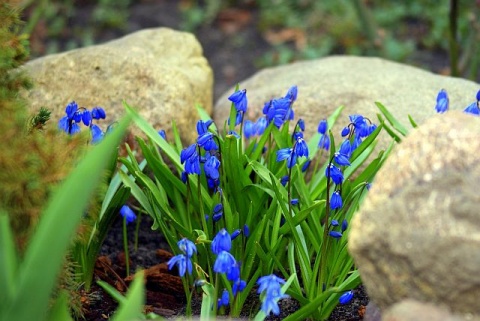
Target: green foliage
{"x":252,"y":195}
{"x":29,"y":279}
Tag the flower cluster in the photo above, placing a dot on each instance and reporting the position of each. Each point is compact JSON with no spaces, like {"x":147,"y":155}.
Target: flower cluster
{"x":442,"y":104}
{"x":279,"y":110}
{"x":183,"y":261}
{"x":270,"y":288}
{"x":75,"y":116}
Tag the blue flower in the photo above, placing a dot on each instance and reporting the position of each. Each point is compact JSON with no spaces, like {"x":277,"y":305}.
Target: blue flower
{"x":271,"y":288}
{"x":341,"y":159}
{"x":127,"y":213}
{"x":301,"y":147}
{"x":183,"y":264}
{"x":162,"y":134}
{"x":187,"y":247}
{"x":86,"y":117}
{"x":249,"y":129}
{"x":69,"y":123}
{"x":345,"y":131}
{"x":288,"y":154}
{"x":246,"y":230}
{"x":233,"y":273}
{"x":239,"y":99}
{"x":97,"y":134}
{"x":238,"y":286}
{"x":334,"y":223}
{"x":260,"y":125}
{"x":284,"y":180}
{"x":292,"y":93}
{"x":207,"y":141}
{"x":202,"y":126}
{"x":211,"y":167}
{"x":235,"y":234}
{"x":473,"y":109}
{"x":306,"y":165}
{"x":335,"y":234}
{"x":442,"y":102}
{"x":344,"y":225}
{"x":294,"y":201}
{"x":334,"y":173}
{"x":324,"y":142}
{"x":224,"y":299}
{"x":98,"y":113}
{"x":224,"y":262}
{"x":322,"y":127}
{"x":301,"y":124}
{"x":346,"y":297}
{"x":221,"y":242}
{"x":189,"y":156}
{"x":336,"y":201}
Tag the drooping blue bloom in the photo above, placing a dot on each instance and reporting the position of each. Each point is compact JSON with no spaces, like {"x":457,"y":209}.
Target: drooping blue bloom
{"x":224,"y":299}
{"x":284,"y":180}
{"x":473,"y":109}
{"x":221,"y":242}
{"x":211,"y":167}
{"x":442,"y":102}
{"x":202,"y":126}
{"x":301,"y":124}
{"x":246,"y":230}
{"x":162,"y":133}
{"x":207,"y":141}
{"x":345,"y":131}
{"x":217,"y":212}
{"x":334,"y":223}
{"x":86,"y":117}
{"x":335,"y":234}
{"x":294,"y":201}
{"x":334,"y":173}
{"x":306,"y":165}
{"x":287,"y":153}
{"x":324,"y":142}
{"x":279,"y":111}
{"x":239,"y":99}
{"x":292,"y":93}
{"x":233,"y":273}
{"x":238,"y":286}
{"x":235,"y":234}
{"x":323,"y":126}
{"x":270,"y":287}
{"x":224,"y":262}
{"x":341,"y":159}
{"x":98,"y":113}
{"x":336,"y":201}
{"x":301,"y":147}
{"x":260,"y":125}
{"x":127,"y":213}
{"x":346,"y":148}
{"x":187,"y":247}
{"x":183,"y":264}
{"x":346,"y":297}
{"x":69,"y":123}
{"x":249,"y":129}
{"x":97,"y":134}
{"x":344,"y":225}
{"x":189,"y":156}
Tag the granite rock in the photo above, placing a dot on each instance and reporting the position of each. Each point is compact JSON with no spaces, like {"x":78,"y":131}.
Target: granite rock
{"x":417,"y":235}
{"x":161,"y":72}
{"x":354,"y":82}
{"x":411,"y":310}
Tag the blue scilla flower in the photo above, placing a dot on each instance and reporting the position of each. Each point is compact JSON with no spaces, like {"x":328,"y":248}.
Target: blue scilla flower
{"x":322,"y":127}
{"x":224,"y":262}
{"x":473,"y":109}
{"x":294,"y":201}
{"x":211,"y":167}
{"x":260,"y":125}
{"x":221,"y":242}
{"x":239,"y":99}
{"x":324,"y":142}
{"x":249,"y":129}
{"x":189,"y":157}
{"x":98,"y":113}
{"x":86,"y":117}
{"x":187,"y":247}
{"x":224,"y":299}
{"x":233,"y":273}
{"x":336,"y":201}
{"x":288,"y":154}
{"x":127,"y":213}
{"x":97,"y":134}
{"x":334,"y":173}
{"x":335,"y":234}
{"x":284,"y":179}
{"x":345,"y":131}
{"x":301,"y":147}
{"x":182,"y":262}
{"x":202,"y":126}
{"x":346,"y":297}
{"x":301,"y":124}
{"x":306,"y":165}
{"x":292,"y":93}
{"x":346,"y":148}
{"x":270,"y":287}
{"x":235,"y":234}
{"x":162,"y":134}
{"x":344,"y":225}
{"x":238,"y":286}
{"x":69,"y":123}
{"x":442,"y":102}
{"x":207,"y":141}
{"x":334,"y":223}
{"x":246,"y":230}
{"x":341,"y":159}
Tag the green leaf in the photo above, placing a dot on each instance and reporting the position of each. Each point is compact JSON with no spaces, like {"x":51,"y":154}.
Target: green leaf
{"x":45,"y":254}
{"x":131,"y":308}
{"x":208,"y":298}
{"x":60,"y":310}
{"x":391,"y":119}
{"x":8,"y":262}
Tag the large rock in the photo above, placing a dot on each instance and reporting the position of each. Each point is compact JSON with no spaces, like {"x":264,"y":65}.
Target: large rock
{"x":161,"y":72}
{"x":417,"y":235}
{"x":356,"y":83}
{"x":410,"y":310}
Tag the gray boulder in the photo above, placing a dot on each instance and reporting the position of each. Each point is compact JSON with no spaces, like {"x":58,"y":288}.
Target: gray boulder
{"x":411,"y":310}
{"x":161,"y":72}
{"x":356,"y":83}
{"x":417,"y":235}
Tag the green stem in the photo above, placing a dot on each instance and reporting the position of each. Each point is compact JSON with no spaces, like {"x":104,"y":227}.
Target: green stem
{"x":125,"y":246}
